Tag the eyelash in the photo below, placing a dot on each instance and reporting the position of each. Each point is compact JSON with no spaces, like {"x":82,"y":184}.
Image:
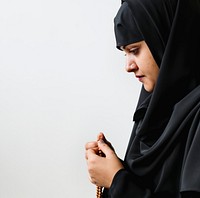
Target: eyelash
{"x":134,"y":51}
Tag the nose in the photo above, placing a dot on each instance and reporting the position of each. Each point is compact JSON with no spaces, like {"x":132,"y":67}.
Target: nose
{"x":131,"y":65}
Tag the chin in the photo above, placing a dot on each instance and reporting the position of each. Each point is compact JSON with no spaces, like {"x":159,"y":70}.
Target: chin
{"x":148,"y":88}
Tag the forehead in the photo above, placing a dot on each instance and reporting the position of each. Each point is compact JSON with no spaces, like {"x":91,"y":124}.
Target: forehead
{"x":132,"y":45}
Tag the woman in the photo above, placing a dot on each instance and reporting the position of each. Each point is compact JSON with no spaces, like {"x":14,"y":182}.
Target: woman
{"x":161,"y":41}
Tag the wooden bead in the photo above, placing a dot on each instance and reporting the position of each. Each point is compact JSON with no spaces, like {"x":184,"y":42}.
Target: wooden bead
{"x":99,"y":188}
{"x":99,"y":192}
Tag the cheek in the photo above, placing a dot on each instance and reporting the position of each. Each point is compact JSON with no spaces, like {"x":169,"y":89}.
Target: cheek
{"x":155,"y":71}
{"x":146,"y":68}
{"x":152,"y":68}
{"x":145,"y":63}
{"x":142,"y":64}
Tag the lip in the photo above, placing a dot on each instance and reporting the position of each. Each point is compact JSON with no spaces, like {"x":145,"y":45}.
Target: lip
{"x":139,"y":77}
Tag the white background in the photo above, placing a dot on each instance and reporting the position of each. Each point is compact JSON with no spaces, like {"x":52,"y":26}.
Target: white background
{"x":61,"y":82}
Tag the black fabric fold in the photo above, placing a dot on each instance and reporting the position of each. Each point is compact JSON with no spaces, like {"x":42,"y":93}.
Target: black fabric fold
{"x":163,"y":152}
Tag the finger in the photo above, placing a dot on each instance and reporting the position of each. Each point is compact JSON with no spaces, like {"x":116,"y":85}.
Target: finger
{"x":105,"y":148}
{"x":88,"y":152}
{"x":91,"y":145}
{"x":86,"y":155}
{"x":100,"y":136}
{"x":92,"y":180}
{"x":91,"y":154}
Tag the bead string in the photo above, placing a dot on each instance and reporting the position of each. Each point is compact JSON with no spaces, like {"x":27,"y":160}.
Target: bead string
{"x":99,"y":189}
{"x":99,"y":192}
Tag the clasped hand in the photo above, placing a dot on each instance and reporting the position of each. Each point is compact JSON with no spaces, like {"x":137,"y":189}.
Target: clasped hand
{"x":102,"y":169}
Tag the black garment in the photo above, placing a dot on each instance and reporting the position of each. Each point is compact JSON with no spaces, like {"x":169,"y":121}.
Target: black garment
{"x":169,"y":168}
{"x":162,"y":158}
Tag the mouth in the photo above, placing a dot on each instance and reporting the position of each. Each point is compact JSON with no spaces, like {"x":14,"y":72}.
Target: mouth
{"x":139,"y":77}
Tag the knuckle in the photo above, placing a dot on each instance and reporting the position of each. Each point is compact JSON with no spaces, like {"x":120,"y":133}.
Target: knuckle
{"x":90,"y":145}
{"x":92,"y":160}
{"x":86,"y":146}
{"x":90,"y":170}
{"x":86,"y":156}
{"x":112,"y":154}
{"x":92,"y":180}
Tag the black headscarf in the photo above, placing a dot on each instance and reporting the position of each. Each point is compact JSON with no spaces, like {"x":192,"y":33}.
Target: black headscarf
{"x":126,"y":30}
{"x":170,"y":29}
{"x":164,"y":149}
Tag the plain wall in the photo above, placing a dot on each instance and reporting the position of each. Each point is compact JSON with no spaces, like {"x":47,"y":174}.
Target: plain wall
{"x":62,"y":81}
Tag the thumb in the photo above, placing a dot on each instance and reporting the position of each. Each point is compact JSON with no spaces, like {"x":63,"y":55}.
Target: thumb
{"x":102,"y":137}
{"x":105,"y":148}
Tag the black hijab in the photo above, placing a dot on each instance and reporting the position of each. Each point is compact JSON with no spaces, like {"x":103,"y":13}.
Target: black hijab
{"x":170,"y":29}
{"x":163,"y":145}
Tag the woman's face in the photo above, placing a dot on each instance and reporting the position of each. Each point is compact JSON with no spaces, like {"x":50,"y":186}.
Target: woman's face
{"x":140,"y":61}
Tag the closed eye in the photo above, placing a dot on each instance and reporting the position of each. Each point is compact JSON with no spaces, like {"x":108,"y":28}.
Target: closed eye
{"x":135,"y":51}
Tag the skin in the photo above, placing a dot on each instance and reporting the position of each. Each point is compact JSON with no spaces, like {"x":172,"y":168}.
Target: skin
{"x":140,"y":61}
{"x":102,"y":170}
